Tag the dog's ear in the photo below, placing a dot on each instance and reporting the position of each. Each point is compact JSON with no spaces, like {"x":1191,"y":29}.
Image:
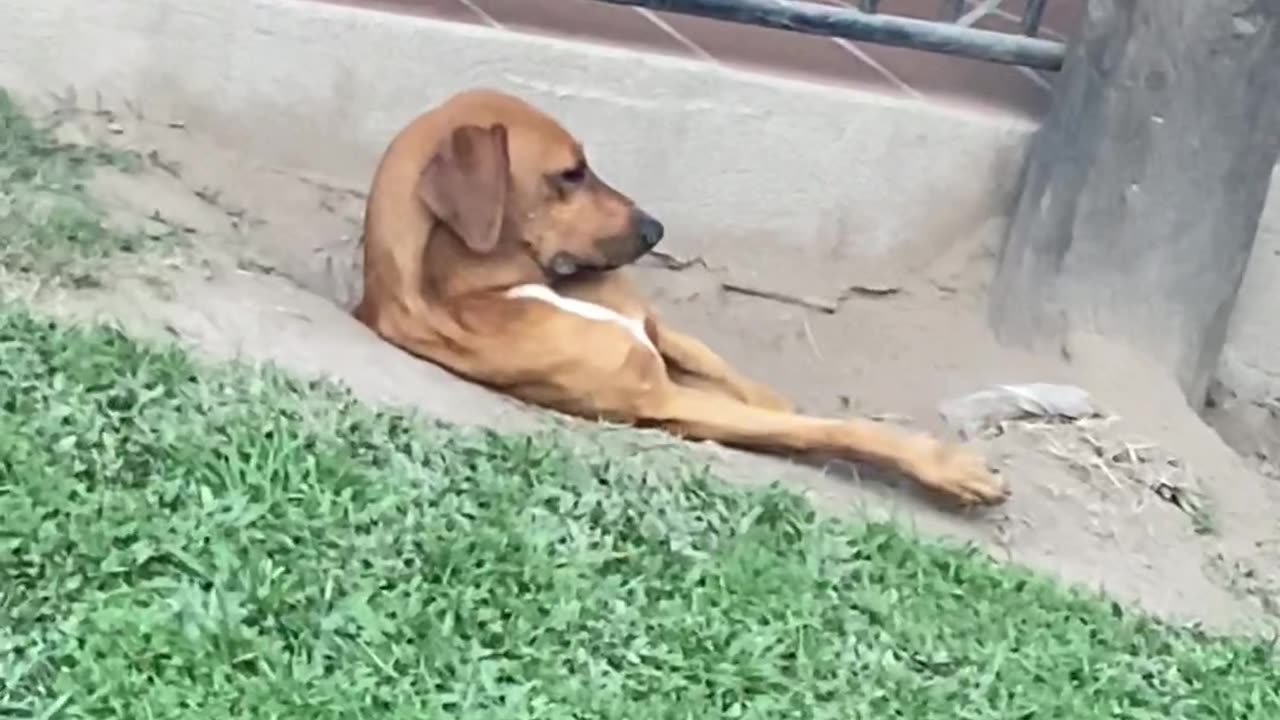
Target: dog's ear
{"x":465,"y":184}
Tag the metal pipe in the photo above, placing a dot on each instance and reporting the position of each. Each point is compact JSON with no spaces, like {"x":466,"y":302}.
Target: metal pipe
{"x":815,"y":19}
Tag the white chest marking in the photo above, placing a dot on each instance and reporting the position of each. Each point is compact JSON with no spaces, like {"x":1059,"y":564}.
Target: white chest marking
{"x":582,"y":308}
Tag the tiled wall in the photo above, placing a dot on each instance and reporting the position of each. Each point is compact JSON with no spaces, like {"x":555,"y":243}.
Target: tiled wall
{"x":886,"y":69}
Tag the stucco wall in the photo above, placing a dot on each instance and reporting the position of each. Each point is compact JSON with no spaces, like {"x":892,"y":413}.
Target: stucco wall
{"x":1251,"y":362}
{"x":819,"y":183}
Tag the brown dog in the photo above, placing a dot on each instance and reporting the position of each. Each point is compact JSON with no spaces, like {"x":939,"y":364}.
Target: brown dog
{"x":492,"y":249}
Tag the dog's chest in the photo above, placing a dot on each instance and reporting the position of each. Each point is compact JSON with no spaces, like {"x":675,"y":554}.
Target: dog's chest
{"x":584,"y":309}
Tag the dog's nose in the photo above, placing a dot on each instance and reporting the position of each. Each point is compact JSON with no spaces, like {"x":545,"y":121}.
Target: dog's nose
{"x":649,"y":229}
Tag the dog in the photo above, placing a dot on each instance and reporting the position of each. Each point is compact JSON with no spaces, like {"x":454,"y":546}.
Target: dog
{"x":493,"y":249}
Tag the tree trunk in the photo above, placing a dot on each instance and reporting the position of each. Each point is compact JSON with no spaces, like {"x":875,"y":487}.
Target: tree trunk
{"x":1143,"y":189}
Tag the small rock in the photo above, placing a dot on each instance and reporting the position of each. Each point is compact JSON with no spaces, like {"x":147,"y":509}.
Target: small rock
{"x":977,"y":411}
{"x":1242,"y":27}
{"x":156,"y":229}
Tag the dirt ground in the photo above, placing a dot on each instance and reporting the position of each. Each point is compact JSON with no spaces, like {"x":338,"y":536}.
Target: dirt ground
{"x":1147,"y":503}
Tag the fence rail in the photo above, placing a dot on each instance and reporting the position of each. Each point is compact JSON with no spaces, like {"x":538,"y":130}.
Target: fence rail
{"x":953,"y":34}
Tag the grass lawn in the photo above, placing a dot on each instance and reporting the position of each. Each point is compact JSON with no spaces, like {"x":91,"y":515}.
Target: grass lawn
{"x":180,"y":541}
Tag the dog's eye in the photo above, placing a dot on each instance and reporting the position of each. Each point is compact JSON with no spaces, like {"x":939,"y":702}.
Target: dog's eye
{"x":574,"y":175}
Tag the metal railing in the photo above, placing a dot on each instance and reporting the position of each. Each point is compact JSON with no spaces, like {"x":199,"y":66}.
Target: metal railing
{"x":953,"y":33}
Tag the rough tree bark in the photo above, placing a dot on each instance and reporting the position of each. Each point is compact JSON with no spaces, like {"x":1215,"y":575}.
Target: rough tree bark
{"x":1143,"y":188}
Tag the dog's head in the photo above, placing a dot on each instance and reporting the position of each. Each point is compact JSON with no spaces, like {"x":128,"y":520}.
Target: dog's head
{"x":505,"y":173}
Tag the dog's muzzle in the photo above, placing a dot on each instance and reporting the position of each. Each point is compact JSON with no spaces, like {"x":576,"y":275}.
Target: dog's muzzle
{"x":648,"y":229}
{"x":643,"y":234}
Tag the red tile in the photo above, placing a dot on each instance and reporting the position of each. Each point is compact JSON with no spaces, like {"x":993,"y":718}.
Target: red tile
{"x":956,"y":78}
{"x":809,"y":56}
{"x":1063,"y":17}
{"x":799,"y":54}
{"x":1060,"y":20}
{"x":919,"y":9}
{"x":442,"y":9}
{"x":1007,"y":24}
{"x":583,"y":19}
{"x":946,"y":76}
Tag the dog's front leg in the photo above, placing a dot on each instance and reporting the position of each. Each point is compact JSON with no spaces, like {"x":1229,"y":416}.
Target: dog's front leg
{"x":692,"y":356}
{"x":941,"y":467}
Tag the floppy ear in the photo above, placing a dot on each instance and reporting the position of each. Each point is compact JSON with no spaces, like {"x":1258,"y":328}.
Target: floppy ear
{"x":465,"y":184}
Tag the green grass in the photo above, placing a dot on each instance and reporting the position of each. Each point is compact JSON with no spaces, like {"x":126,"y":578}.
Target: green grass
{"x":50,"y":226}
{"x":188,"y":542}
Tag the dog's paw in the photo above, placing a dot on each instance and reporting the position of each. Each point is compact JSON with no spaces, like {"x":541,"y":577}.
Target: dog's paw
{"x":962,"y":474}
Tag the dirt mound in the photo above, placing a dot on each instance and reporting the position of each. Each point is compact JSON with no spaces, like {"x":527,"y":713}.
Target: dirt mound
{"x":1146,"y":502}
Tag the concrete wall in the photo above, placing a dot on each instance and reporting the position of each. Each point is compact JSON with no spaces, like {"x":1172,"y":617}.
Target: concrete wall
{"x":1251,"y":362}
{"x":820,"y":181}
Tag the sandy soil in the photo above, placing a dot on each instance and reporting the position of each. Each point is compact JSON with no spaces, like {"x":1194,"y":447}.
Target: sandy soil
{"x":1148,"y":504}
